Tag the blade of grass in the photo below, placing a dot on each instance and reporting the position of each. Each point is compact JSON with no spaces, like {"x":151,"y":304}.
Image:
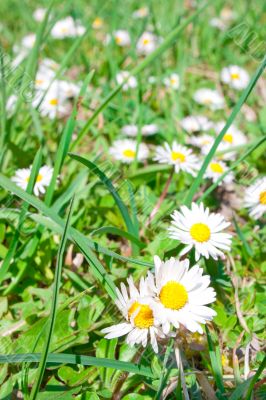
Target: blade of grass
{"x":75,"y":235}
{"x":197,"y":182}
{"x":84,"y":244}
{"x":52,"y":316}
{"x":3,"y":105}
{"x":65,"y":141}
{"x":139,"y":68}
{"x":255,"y":378}
{"x":231,"y":168}
{"x":165,"y":371}
{"x":24,"y":208}
{"x":56,"y":223}
{"x":247,"y":248}
{"x":108,"y":184}
{"x":119,"y":232}
{"x":59,"y":359}
{"x":216,"y":364}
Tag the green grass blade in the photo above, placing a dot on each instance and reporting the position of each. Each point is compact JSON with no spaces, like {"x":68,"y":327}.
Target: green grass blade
{"x":24,"y":208}
{"x":255,"y":378}
{"x":55,"y":222}
{"x":247,"y":248}
{"x":197,"y":182}
{"x":119,"y":232}
{"x":65,"y":142}
{"x":244,"y":390}
{"x":216,"y":363}
{"x":139,"y":68}
{"x":231,"y":168}
{"x":52,"y":316}
{"x":108,"y":184}
{"x":84,"y":244}
{"x":78,"y":360}
{"x":75,"y":235}
{"x":3,"y":105}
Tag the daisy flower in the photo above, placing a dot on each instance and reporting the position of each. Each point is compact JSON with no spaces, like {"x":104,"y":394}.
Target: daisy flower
{"x":218,"y":23}
{"x":233,"y":137}
{"x":130,"y":130}
{"x":210,"y":98}
{"x":198,"y":228}
{"x":125,"y":151}
{"x":138,"y":309}
{"x":67,"y":28}
{"x":122,"y":38}
{"x":141,"y":13}
{"x":255,"y":198}
{"x":47,"y":64}
{"x":195,"y":123}
{"x":43,"y":79}
{"x":146,"y":130}
{"x":182,"y":158}
{"x":173,"y":81}
{"x":54,"y":103}
{"x":203,"y":142}
{"x":130,"y":81}
{"x":22,"y":177}
{"x":182,"y":294}
{"x":28,"y":41}
{"x":69,"y":89}
{"x":147,"y":43}
{"x":97,"y":23}
{"x":234,"y":76}
{"x":217,"y":168}
{"x":149,"y":129}
{"x":39,"y":14}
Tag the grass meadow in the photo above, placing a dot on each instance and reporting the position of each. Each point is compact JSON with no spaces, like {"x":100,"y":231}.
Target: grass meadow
{"x":133,"y":199}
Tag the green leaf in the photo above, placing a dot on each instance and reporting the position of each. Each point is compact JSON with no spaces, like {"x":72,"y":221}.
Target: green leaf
{"x":59,"y":359}
{"x":50,"y":329}
{"x":119,"y":232}
{"x":24,"y":208}
{"x":108,"y":184}
{"x":216,"y":363}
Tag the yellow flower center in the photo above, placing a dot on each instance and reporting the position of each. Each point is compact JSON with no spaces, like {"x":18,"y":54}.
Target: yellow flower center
{"x":146,"y":41}
{"x":97,"y":23}
{"x":215,"y":167}
{"x":144,"y":318}
{"x":207,"y":101}
{"x":173,"y":81}
{"x":228,"y":138}
{"x":176,"y":156}
{"x":39,"y":81}
{"x":53,"y":102}
{"x":200,"y":232}
{"x":118,"y":39}
{"x":206,"y":141}
{"x":38,"y":179}
{"x":235,"y":75}
{"x":129,"y":153}
{"x":173,"y":295}
{"x":263,"y":197}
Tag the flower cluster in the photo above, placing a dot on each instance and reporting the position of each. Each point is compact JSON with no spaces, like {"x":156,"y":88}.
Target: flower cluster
{"x":173,"y":296}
